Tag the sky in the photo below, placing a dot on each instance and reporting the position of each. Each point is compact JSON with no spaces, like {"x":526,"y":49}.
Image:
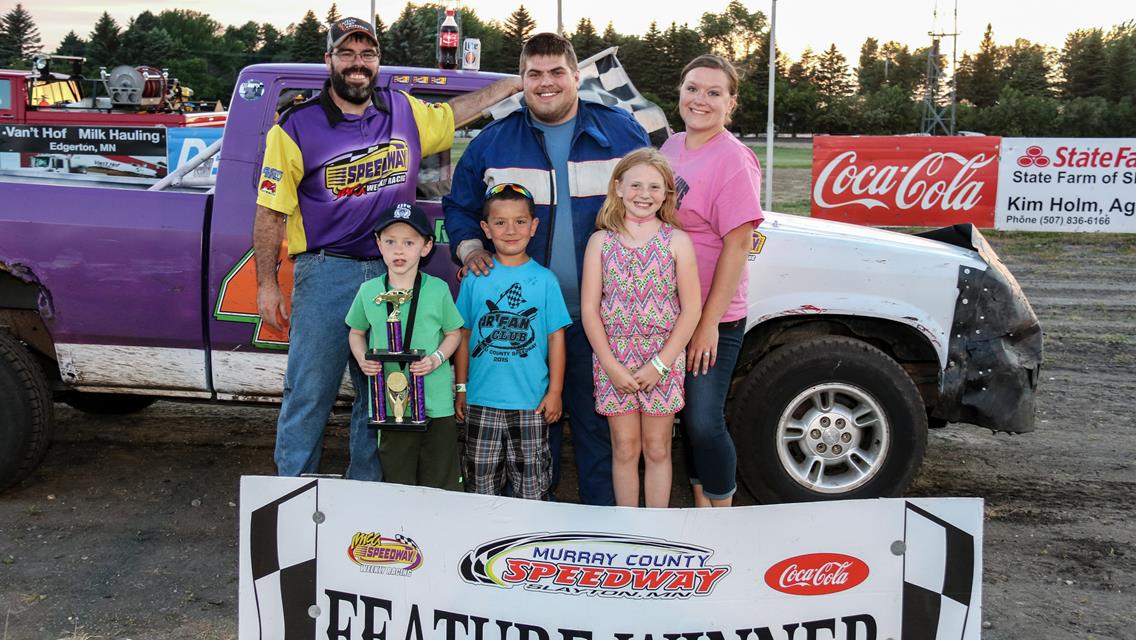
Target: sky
{"x":801,"y":24}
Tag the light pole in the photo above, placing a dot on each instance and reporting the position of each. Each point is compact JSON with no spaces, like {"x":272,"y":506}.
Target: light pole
{"x":769,"y":109}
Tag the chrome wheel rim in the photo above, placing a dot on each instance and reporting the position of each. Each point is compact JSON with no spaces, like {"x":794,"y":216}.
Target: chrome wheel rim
{"x":833,"y":438}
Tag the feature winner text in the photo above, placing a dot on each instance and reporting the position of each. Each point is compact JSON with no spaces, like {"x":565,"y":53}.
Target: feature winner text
{"x":352,"y":616}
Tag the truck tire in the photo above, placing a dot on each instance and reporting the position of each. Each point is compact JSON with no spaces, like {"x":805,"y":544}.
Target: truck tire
{"x":113,"y":404}
{"x":27,"y":418}
{"x":828,"y":418}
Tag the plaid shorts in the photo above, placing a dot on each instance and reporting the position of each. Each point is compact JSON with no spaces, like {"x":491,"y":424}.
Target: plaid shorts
{"x":507,"y":443}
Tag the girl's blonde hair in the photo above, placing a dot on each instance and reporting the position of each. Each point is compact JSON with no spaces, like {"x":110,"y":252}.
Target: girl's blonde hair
{"x":610,"y":217}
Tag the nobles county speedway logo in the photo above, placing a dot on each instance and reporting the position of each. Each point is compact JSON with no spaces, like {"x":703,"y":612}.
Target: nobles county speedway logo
{"x":594,"y":564}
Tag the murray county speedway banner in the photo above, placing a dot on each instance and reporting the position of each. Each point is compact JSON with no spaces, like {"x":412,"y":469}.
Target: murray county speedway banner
{"x":324,"y":558}
{"x":905,"y":181}
{"x":1067,"y":184}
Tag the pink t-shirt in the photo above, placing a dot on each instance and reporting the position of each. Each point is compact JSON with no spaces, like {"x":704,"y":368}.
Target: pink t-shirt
{"x":719,"y":189}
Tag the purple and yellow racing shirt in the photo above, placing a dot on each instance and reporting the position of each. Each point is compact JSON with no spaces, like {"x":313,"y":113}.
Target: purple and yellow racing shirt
{"x":333,"y":173}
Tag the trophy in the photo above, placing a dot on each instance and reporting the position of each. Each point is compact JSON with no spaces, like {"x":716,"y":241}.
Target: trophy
{"x":395,"y":391}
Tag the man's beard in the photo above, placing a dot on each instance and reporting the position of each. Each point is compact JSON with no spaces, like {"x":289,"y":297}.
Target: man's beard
{"x":351,"y":93}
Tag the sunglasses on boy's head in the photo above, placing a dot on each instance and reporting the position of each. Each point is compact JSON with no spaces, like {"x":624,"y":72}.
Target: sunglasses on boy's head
{"x":500,"y":188}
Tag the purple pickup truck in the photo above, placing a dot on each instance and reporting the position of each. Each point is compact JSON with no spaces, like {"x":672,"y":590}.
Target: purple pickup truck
{"x":117,"y":291}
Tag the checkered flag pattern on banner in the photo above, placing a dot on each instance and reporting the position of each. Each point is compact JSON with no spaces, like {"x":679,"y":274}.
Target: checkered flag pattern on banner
{"x":939,"y":581}
{"x":283,"y":560}
{"x":513,"y":296}
{"x":603,"y":80}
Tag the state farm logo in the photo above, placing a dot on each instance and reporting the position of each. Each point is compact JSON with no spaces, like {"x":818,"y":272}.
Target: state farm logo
{"x":1035,"y":157}
{"x":816,"y":574}
{"x":937,"y":181}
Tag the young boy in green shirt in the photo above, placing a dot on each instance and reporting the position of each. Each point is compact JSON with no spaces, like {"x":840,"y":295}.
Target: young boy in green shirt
{"x":429,"y":458}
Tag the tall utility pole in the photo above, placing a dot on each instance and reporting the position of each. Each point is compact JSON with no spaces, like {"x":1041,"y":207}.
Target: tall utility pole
{"x":938,"y":118}
{"x":769,"y":134}
{"x":560,"y":17}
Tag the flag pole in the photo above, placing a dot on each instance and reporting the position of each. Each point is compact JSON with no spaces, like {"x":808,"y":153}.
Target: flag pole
{"x":769,"y":110}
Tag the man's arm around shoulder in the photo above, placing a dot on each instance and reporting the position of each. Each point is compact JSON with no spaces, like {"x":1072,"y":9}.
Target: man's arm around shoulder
{"x":470,"y":106}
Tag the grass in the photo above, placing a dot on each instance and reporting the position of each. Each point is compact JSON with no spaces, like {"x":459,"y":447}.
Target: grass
{"x":794,"y":157}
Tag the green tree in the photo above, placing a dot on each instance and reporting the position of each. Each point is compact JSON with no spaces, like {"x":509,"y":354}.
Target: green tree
{"x":1083,"y":64}
{"x":887,"y":111}
{"x":1014,"y":113}
{"x":19,"y":37}
{"x":870,"y":70}
{"x":145,"y":43}
{"x":309,"y":40}
{"x":274,"y":44}
{"x":333,"y":14}
{"x":490,"y":35}
{"x":103,"y":43}
{"x":611,"y":37}
{"x":735,"y":33}
{"x":1026,"y":68}
{"x":1086,"y":117}
{"x":585,"y":40}
{"x":831,"y":76}
{"x":518,"y":28}
{"x":410,"y":39}
{"x":71,"y":45}
{"x":1121,"y":56}
{"x":980,"y":77}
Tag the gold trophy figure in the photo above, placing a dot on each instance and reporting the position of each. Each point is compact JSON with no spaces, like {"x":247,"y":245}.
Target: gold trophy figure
{"x":396,"y":298}
{"x":398,"y":391}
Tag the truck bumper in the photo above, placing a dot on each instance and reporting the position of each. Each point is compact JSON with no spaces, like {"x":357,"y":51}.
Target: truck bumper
{"x":995,"y":349}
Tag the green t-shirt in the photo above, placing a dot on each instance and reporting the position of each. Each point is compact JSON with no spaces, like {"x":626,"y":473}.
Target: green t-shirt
{"x":435,"y":316}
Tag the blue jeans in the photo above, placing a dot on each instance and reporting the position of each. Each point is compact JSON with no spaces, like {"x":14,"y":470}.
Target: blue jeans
{"x":591,"y":437}
{"x":317,"y":353}
{"x":708,"y":448}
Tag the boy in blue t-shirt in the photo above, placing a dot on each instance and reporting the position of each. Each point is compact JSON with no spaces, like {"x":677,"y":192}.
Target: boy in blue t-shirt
{"x":513,"y":351}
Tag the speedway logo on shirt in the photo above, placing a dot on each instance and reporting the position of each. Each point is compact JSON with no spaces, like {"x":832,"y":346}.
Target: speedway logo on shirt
{"x":595,"y":564}
{"x":367,"y":170}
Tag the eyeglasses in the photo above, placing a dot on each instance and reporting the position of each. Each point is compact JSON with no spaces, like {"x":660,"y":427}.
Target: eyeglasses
{"x":500,"y":188}
{"x":347,"y":55}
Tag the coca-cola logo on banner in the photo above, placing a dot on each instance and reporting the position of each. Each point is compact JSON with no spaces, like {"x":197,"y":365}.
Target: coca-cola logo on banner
{"x":816,"y":574}
{"x":905,"y":181}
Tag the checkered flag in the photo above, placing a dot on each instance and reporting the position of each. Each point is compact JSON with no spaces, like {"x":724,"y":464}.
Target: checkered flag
{"x":604,"y":80}
{"x":283,"y":560}
{"x":514,"y":296}
{"x":939,"y":581}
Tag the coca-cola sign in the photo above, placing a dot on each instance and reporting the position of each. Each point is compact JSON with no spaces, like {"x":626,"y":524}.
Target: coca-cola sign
{"x":816,"y":574}
{"x":905,"y":181}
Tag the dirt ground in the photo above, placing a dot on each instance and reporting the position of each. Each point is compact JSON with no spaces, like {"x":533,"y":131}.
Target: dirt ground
{"x":129,"y":528}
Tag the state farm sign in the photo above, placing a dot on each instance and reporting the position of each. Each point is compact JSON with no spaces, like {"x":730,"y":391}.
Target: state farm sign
{"x":905,"y":181}
{"x":816,"y":574}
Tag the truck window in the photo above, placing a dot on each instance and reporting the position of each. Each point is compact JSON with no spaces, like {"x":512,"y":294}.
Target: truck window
{"x":436,"y":172}
{"x":5,"y":95}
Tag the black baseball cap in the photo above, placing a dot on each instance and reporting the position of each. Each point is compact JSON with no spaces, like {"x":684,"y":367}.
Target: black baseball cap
{"x":340,"y":30}
{"x":408,"y":214}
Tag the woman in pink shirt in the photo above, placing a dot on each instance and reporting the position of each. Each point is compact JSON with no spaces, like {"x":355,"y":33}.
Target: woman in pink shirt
{"x":719,"y":185}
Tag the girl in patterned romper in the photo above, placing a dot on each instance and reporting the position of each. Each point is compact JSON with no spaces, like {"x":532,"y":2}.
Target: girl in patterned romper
{"x":639,"y":302}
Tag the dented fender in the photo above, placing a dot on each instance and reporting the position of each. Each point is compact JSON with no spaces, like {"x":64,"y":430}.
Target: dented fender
{"x":995,"y":347}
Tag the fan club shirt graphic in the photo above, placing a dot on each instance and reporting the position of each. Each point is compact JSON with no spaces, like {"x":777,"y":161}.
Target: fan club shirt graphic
{"x":510,"y":314}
